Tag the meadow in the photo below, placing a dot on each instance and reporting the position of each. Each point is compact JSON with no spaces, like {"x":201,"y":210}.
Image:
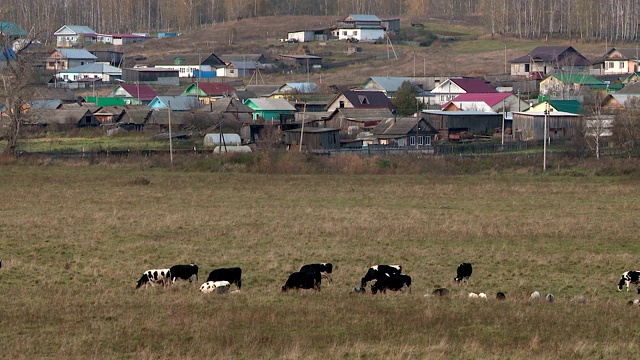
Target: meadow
{"x":76,"y":235}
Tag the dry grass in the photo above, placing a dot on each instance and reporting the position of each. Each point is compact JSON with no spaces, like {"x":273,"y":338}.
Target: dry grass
{"x":75,"y":238}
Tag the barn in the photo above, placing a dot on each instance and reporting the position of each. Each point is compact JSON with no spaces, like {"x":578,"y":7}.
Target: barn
{"x":529,"y":126}
{"x":313,"y":139}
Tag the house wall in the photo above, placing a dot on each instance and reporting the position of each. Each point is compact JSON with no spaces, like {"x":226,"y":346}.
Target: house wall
{"x":301,"y":36}
{"x":337,"y":104}
{"x":530,"y":127}
{"x":358,"y":33}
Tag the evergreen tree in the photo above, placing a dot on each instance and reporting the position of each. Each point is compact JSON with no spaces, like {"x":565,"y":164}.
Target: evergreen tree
{"x":406,"y":99}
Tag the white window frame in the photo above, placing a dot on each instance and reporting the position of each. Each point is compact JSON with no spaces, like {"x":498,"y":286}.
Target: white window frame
{"x":412,"y":140}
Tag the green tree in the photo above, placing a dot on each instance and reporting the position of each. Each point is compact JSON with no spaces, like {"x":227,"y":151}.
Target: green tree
{"x":406,"y":99}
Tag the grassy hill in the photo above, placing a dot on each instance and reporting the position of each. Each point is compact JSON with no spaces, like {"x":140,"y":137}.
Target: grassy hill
{"x":462,"y":49}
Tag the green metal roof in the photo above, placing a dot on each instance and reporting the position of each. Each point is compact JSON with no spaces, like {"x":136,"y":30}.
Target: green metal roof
{"x":578,"y":79}
{"x":570,"y":106}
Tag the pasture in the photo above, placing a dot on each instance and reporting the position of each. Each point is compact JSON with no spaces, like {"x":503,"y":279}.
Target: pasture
{"x":75,"y":238}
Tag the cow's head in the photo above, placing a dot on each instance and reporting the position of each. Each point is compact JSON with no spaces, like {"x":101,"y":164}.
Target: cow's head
{"x":143,"y":280}
{"x":621,"y":282}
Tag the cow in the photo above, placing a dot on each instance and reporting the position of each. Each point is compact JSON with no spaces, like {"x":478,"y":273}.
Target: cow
{"x":535,"y":295}
{"x":463,"y":273}
{"x":501,"y":296}
{"x":303,"y":280}
{"x":393,"y":282}
{"x":628,"y":278}
{"x":155,"y":276}
{"x":376,"y":271}
{"x":325,"y":269}
{"x":184,"y":272}
{"x":232,"y":275}
{"x":217,"y":286}
{"x":440,"y":292}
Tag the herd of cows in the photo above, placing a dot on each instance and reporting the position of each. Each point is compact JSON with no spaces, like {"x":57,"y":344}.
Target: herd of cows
{"x":381,"y":277}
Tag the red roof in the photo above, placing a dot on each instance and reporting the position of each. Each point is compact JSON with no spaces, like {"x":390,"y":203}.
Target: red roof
{"x":473,"y":85}
{"x":140,"y":92}
{"x":216,"y":88}
{"x":490,"y":99}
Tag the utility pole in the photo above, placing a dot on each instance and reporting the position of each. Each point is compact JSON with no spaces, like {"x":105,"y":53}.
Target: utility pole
{"x":170,"y":137}
{"x":544,"y":147}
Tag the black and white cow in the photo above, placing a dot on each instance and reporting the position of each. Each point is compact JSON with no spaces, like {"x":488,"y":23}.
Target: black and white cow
{"x":463,"y":273}
{"x":232,"y":275}
{"x":155,"y":276}
{"x":325,"y":269}
{"x":393,"y":282}
{"x":628,"y":278}
{"x":376,"y":271}
{"x":303,"y":280}
{"x":220,"y":287}
{"x":184,"y":272}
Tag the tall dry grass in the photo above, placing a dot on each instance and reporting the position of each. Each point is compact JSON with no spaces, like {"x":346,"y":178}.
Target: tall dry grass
{"x":75,"y":238}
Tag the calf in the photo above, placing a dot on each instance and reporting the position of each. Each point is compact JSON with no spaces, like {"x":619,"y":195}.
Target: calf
{"x":628,"y":278}
{"x":184,"y":272}
{"x":303,"y":280}
{"x":232,"y":275}
{"x":217,"y":286}
{"x":156,"y":276}
{"x":393,"y":282}
{"x":325,"y":269}
{"x":376,"y":271}
{"x":463,"y":273}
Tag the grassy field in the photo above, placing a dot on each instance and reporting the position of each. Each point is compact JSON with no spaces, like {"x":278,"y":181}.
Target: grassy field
{"x":76,"y":237}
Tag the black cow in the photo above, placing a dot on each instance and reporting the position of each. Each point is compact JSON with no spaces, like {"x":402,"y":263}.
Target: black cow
{"x":325,"y":269}
{"x":628,"y":278}
{"x":393,"y":282}
{"x":376,"y":271}
{"x":303,"y":280}
{"x":184,"y":272}
{"x":463,"y":273}
{"x":232,"y":275}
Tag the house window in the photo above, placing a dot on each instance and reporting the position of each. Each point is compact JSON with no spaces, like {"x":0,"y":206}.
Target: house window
{"x":412,"y":140}
{"x":341,"y":104}
{"x":344,"y":33}
{"x":526,"y":68}
{"x":516,"y":68}
{"x":384,"y":142}
{"x":233,"y":71}
{"x":363,"y":99}
{"x":427,"y":140}
{"x":355,"y":33}
{"x":610,"y":65}
{"x":420,"y":141}
{"x":400,"y":142}
{"x":442,"y":98}
{"x":621,"y":65}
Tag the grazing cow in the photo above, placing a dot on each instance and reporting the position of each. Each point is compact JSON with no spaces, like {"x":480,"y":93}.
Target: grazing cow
{"x":501,"y":296}
{"x":303,"y":280}
{"x":377,"y":271}
{"x":535,"y":295}
{"x":156,"y":276}
{"x":325,"y":269}
{"x":440,"y":292}
{"x":463,"y":273}
{"x":473,"y":295}
{"x":184,"y":272}
{"x":232,"y":275}
{"x":628,"y":278}
{"x":482,"y":296}
{"x":393,"y":282}
{"x":217,"y":286}
{"x":550,"y":298}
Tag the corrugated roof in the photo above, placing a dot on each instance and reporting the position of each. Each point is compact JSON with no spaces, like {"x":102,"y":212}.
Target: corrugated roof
{"x":387,"y":83}
{"x":570,"y":106}
{"x":176,"y":103}
{"x":11,"y":29}
{"x":490,"y":99}
{"x":553,"y":53}
{"x":473,"y":85}
{"x":78,"y":29}
{"x":216,"y":88}
{"x":368,"y":99}
{"x":632,"y":88}
{"x":139,"y":91}
{"x":262,"y":90}
{"x":578,"y":79}
{"x":45,"y":104}
{"x":269,"y":104}
{"x":366,"y":114}
{"x":395,"y":126}
{"x":80,"y":54}
{"x":93,"y":68}
{"x":58,"y":116}
{"x":362,"y":17}
{"x":301,"y":87}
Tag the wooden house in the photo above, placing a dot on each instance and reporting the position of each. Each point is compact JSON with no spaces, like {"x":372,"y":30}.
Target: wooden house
{"x":529,"y":126}
{"x":403,"y":132}
{"x":313,"y":139}
{"x":72,"y":35}
{"x":62,"y":59}
{"x":450,"y":88}
{"x":569,"y":106}
{"x":270,"y":109}
{"x":361,"y":99}
{"x":450,"y":124}
{"x":207,"y":92}
{"x":359,"y":27}
{"x":66,"y":118}
{"x":568,"y":85}
{"x":175,"y":103}
{"x":193,"y":65}
{"x":135,"y":93}
{"x":617,"y":61}
{"x":353,"y":121}
{"x":545,"y":60}
{"x":387,"y":84}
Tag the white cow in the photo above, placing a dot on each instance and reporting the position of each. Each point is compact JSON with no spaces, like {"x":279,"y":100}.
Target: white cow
{"x":155,"y":276}
{"x":217,"y":286}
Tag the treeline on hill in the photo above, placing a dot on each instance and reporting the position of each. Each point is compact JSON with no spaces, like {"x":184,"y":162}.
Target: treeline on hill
{"x":616,"y":20}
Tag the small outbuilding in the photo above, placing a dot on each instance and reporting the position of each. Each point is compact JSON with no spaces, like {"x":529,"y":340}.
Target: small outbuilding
{"x":217,"y":139}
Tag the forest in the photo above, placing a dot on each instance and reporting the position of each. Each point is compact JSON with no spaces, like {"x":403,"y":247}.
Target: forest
{"x":586,"y":20}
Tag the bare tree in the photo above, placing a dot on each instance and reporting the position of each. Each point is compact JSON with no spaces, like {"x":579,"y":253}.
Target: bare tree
{"x":597,"y":125}
{"x":16,"y":86}
{"x":626,"y":127}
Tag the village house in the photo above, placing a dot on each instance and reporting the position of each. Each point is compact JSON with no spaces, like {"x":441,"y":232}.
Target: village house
{"x":352,"y":121}
{"x":486,"y":102}
{"x":135,"y":93}
{"x":207,"y":92}
{"x":307,"y":35}
{"x":387,"y":84}
{"x":452,"y":124}
{"x":360,"y":27}
{"x":567,"y":86}
{"x":66,"y":118}
{"x":402,"y":132}
{"x":545,"y":60}
{"x":242,"y":69}
{"x":175,"y":103}
{"x":11,"y":30}
{"x":122,"y":39}
{"x":72,"y":35}
{"x":156,"y":76}
{"x":450,"y":88}
{"x":62,"y":59}
{"x":617,"y":61}
{"x":568,"y":106}
{"x":360,"y":99}
{"x":193,"y":65}
{"x":301,"y":63}
{"x":93,"y":71}
{"x":270,"y":109}
{"x":313,"y":139}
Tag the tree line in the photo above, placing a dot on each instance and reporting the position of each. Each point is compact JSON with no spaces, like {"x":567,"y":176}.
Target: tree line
{"x":613,"y":20}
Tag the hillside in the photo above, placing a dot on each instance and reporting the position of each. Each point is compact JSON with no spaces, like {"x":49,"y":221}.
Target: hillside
{"x":471,"y":52}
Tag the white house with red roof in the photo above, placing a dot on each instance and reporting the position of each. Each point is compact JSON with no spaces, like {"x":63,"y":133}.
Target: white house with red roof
{"x":453,"y":87}
{"x":486,"y":102}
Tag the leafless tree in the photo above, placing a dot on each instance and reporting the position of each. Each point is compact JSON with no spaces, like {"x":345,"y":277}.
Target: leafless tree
{"x":626,"y":127}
